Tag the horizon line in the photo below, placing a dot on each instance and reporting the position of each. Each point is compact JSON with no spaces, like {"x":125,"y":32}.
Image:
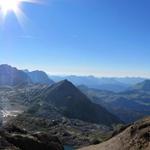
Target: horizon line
{"x":62,"y":74}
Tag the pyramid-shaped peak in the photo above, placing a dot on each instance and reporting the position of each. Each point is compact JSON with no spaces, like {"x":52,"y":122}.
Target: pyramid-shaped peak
{"x":64,"y":83}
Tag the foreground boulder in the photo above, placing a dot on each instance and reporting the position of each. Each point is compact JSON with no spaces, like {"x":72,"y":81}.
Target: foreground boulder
{"x":13,"y":138}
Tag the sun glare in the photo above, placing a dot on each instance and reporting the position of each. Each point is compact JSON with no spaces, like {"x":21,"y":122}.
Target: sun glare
{"x":9,"y":5}
{"x":14,"y":6}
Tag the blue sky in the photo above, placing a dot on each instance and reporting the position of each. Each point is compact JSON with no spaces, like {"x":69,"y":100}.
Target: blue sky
{"x":83,"y":37}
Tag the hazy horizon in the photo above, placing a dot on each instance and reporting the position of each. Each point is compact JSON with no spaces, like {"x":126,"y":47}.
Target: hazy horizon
{"x":75,"y":74}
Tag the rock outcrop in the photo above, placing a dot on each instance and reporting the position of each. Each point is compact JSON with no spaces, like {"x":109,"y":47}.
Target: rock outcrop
{"x":14,"y":138}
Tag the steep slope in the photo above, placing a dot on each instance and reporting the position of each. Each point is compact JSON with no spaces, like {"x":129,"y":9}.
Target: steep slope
{"x":12,"y":76}
{"x":135,"y":137}
{"x":65,"y":99}
{"x":39,"y":77}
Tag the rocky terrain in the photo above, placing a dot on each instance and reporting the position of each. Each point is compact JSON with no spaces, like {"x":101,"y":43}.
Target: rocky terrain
{"x":37,"y":112}
{"x":64,"y":111}
{"x":14,"y":100}
{"x":14,"y":138}
{"x":135,"y":137}
{"x":73,"y":132}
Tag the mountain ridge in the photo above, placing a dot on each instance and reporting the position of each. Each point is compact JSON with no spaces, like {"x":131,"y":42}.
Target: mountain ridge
{"x":11,"y":76}
{"x":40,"y":77}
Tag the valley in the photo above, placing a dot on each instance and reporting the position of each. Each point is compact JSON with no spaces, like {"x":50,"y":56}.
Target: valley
{"x":9,"y":108}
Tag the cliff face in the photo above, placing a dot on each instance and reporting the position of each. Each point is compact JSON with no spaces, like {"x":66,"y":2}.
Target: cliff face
{"x":135,"y":137}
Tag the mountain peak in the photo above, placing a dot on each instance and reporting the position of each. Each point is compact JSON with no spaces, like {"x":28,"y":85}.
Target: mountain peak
{"x":74,"y":104}
{"x":6,"y":66}
{"x":65,"y":82}
{"x":39,"y":77}
{"x":12,"y":76}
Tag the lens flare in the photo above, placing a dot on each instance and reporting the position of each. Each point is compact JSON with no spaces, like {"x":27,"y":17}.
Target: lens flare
{"x":14,"y":6}
{"x":9,"y":5}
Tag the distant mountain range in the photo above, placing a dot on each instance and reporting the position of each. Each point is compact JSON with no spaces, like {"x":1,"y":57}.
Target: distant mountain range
{"x":14,"y":77}
{"x":129,"y":105}
{"x":110,"y":84}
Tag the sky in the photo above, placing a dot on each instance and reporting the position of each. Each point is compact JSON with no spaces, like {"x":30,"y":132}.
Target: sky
{"x":80,"y":37}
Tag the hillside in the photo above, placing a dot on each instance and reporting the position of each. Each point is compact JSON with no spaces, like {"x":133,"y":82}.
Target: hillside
{"x":135,"y":137}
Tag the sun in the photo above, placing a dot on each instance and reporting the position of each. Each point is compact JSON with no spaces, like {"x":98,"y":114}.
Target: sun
{"x":14,"y":6}
{"x":9,"y":5}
